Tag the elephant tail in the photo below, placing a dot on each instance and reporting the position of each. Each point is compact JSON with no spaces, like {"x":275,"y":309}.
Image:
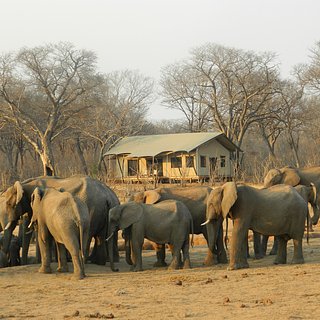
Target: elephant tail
{"x":192,"y":232}
{"x":226,"y":239}
{"x":308,"y":226}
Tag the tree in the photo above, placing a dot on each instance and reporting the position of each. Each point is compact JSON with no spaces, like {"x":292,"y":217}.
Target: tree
{"x":121,"y":107}
{"x":181,"y":91}
{"x":42,"y":88}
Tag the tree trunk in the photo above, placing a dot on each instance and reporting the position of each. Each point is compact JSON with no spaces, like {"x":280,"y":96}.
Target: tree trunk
{"x":46,"y":157}
{"x":83,"y":163}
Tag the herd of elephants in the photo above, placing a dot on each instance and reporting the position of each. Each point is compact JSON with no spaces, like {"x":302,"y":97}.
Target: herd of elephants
{"x":66,"y":214}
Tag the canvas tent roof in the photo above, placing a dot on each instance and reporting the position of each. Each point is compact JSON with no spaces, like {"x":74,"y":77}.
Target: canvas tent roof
{"x":153,"y":145}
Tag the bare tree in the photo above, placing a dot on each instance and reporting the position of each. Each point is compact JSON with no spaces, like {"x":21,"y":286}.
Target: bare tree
{"x":238,"y":86}
{"x":121,"y":107}
{"x":309,"y":74}
{"x":181,"y":91}
{"x":42,"y":89}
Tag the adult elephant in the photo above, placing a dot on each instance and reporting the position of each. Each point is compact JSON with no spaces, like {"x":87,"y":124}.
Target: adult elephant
{"x":195,"y":198}
{"x":292,"y":176}
{"x":310,"y":196}
{"x":278,"y":210}
{"x":165,"y":222}
{"x":98,"y":197}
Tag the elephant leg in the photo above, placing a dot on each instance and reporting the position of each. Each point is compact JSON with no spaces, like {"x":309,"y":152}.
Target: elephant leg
{"x":116,"y":256}
{"x":25,"y":238}
{"x":274,"y":249}
{"x":281,"y":257}
{"x":136,"y":249}
{"x":161,"y":255}
{"x":100,"y":256}
{"x":186,"y":257}
{"x":78,"y":267}
{"x":45,"y":251}
{"x":238,"y":250}
{"x":211,"y":258}
{"x":297,"y":252}
{"x":176,"y":258}
{"x":257,"y":245}
{"x":62,"y":258}
{"x":221,"y":251}
{"x":264,"y":244}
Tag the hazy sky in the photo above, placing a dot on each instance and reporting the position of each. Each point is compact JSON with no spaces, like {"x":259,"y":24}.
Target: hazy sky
{"x":149,"y":34}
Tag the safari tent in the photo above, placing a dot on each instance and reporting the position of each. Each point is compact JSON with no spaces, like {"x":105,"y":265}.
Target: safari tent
{"x":172,"y":157}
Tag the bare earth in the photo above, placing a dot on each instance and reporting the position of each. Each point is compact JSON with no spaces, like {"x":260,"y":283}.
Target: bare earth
{"x":264,"y":291}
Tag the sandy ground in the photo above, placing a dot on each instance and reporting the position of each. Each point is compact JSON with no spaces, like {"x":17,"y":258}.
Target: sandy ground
{"x":264,"y":291}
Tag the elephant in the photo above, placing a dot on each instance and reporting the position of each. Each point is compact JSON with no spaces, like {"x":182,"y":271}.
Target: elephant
{"x":309,"y":195}
{"x":195,"y":198}
{"x":292,"y":176}
{"x":98,"y":197}
{"x":278,"y":211}
{"x":66,"y":218}
{"x":13,"y":257}
{"x":168,"y":221}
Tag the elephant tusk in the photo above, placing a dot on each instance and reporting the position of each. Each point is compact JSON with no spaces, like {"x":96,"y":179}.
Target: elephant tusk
{"x":30,"y":225}
{"x":203,"y":224}
{"x":8,"y":225}
{"x":109,"y":238}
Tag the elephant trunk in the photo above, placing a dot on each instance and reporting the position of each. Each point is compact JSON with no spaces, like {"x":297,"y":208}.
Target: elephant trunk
{"x":110,"y":248}
{"x":8,"y":235}
{"x":127,"y":242}
{"x":212,"y":230}
{"x":111,"y":231}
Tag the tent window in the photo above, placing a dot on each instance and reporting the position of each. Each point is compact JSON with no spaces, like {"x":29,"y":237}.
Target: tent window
{"x":176,"y":162}
{"x":132,"y":167}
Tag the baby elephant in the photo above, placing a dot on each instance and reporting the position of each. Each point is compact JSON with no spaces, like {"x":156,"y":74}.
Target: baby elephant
{"x":165,"y":222}
{"x":66,"y":218}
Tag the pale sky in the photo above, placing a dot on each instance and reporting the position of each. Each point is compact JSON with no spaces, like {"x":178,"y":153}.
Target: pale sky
{"x":149,"y":34}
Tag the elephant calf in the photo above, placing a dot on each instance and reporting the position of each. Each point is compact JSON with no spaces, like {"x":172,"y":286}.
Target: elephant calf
{"x":168,"y":221}
{"x":66,"y":218}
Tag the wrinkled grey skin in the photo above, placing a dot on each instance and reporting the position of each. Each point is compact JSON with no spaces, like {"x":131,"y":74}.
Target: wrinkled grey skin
{"x":309,"y":195}
{"x":195,"y":198}
{"x":13,"y":257}
{"x":295,"y":177}
{"x":165,"y":222}
{"x":278,"y":211}
{"x":66,"y":219}
{"x":292,"y":176}
{"x":98,"y":198}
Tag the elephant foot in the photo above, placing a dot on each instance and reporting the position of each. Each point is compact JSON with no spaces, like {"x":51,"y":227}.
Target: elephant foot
{"x":298,"y":260}
{"x":237,"y":266}
{"x":280,"y":261}
{"x":159,"y":264}
{"x":259,"y":256}
{"x":173,"y":267}
{"x":63,"y":269}
{"x":273,"y":252}
{"x":136,"y":269}
{"x":187,"y":264}
{"x":78,"y":276}
{"x":45,"y":270}
{"x":223,"y":259}
{"x":210,"y":261}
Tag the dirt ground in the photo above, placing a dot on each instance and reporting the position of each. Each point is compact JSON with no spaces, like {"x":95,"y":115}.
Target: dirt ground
{"x":264,"y":291}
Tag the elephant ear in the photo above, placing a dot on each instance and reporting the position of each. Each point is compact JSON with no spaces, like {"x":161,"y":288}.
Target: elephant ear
{"x":130,"y":214}
{"x":290,"y":176}
{"x":36,"y":196}
{"x":151,"y":197}
{"x":229,"y":197}
{"x":19,"y":191}
{"x":14,"y":194}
